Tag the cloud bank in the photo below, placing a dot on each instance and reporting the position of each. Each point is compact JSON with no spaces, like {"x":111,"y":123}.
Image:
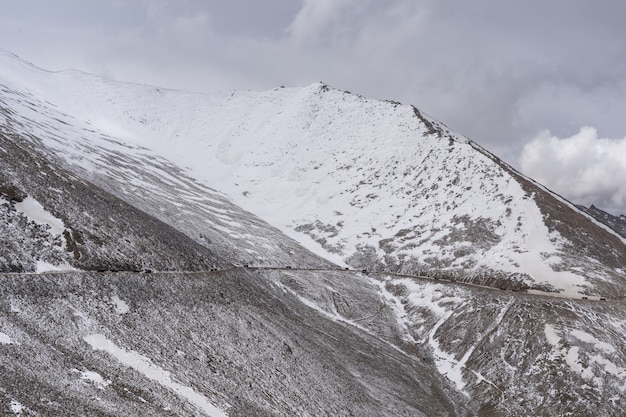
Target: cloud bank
{"x":584,"y":168}
{"x":495,"y":71}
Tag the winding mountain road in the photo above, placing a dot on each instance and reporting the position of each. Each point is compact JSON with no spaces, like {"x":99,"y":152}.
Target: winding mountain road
{"x":380,"y":274}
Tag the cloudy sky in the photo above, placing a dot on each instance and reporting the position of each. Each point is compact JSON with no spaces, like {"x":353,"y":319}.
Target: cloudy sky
{"x":541,"y":83}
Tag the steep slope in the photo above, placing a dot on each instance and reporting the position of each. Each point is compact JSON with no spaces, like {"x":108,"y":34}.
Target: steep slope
{"x":509,"y":354}
{"x":53,"y":220}
{"x":141,"y":178}
{"x":375,"y":184}
{"x":217,"y":344}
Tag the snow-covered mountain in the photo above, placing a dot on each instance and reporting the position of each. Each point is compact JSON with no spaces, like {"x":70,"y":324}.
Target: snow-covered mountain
{"x":375,"y":184}
{"x":297,"y":184}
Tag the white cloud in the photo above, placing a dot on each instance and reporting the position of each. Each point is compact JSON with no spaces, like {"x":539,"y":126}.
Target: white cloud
{"x":584,"y":168}
{"x":315,"y":17}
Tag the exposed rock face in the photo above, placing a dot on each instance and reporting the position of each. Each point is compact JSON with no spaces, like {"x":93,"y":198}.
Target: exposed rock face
{"x":12,"y":193}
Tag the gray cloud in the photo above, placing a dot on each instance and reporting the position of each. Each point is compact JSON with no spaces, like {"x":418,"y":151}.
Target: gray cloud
{"x":585,"y":167}
{"x":498,"y":72}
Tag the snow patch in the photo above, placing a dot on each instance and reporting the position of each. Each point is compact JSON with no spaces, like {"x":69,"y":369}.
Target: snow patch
{"x":586,"y":337}
{"x":16,"y":408}
{"x":551,"y":336}
{"x":94,"y":378}
{"x":120,"y":305}
{"x":5,"y":339}
{"x":38,"y":214}
{"x":533,"y":259}
{"x":572,"y":358}
{"x":151,"y":371}
{"x":43,"y":267}
{"x":446,"y":363}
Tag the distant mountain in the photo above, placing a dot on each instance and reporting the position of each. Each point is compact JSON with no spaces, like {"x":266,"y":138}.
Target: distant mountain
{"x":300,"y":251}
{"x":617,"y":223}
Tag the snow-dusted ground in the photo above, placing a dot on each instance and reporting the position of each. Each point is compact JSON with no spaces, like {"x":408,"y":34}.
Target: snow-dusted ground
{"x":522,"y":352}
{"x":222,"y":343}
{"x":145,"y":179}
{"x":5,"y":339}
{"x":589,"y":357}
{"x":152,"y":371}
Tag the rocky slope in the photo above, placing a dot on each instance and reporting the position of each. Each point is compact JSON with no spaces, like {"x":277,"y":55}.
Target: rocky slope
{"x":54,"y":220}
{"x":223,"y":343}
{"x":289,"y":342}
